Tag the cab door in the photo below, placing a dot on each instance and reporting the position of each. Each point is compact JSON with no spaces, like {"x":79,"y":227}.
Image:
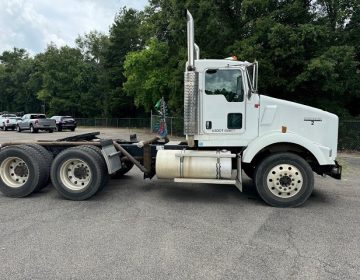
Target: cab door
{"x":223,"y":101}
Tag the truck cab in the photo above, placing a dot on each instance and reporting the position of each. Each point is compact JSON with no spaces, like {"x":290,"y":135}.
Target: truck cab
{"x":228,"y":105}
{"x":277,"y":143}
{"x":233,"y":114}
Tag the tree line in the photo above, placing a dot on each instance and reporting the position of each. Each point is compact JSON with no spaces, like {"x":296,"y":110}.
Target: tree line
{"x":308,"y":52}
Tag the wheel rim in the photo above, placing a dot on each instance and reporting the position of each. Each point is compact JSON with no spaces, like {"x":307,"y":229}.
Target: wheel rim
{"x":75,"y":174}
{"x":284,"y":180}
{"x":14,"y":172}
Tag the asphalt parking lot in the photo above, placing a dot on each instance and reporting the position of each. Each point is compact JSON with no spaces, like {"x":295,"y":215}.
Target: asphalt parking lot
{"x":136,"y":229}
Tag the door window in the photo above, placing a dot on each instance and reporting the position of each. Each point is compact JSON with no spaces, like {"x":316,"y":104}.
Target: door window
{"x":234,"y":121}
{"x":225,"y":82}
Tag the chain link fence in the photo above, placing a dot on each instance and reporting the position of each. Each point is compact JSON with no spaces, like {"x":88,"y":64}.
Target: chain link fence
{"x":174,"y":125}
{"x":349,"y":135}
{"x":115,"y":122}
{"x":349,"y":130}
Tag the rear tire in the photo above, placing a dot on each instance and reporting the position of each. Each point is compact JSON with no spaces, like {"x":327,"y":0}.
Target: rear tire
{"x":76,"y":174}
{"x":72,"y":129}
{"x":44,"y":171}
{"x":47,"y":158}
{"x":99,"y":157}
{"x":20,"y":171}
{"x":284,"y":180}
{"x":32,"y":129}
{"x":4,"y":127}
{"x":50,"y":130}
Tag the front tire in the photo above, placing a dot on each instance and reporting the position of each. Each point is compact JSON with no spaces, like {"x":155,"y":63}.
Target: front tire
{"x":284,"y":180}
{"x":18,"y":129}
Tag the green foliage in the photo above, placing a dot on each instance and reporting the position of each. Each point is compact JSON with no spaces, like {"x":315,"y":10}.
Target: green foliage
{"x":17,"y":91}
{"x":308,"y":52}
{"x":148,"y":75}
{"x":66,"y":77}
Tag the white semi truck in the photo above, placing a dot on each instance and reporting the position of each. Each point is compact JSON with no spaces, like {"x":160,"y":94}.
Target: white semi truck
{"x":230,"y":128}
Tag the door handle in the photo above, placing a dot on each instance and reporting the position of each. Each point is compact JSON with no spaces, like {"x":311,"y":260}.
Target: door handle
{"x":208,"y":124}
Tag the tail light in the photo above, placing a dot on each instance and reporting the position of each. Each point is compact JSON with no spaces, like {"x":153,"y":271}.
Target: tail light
{"x":7,"y":121}
{"x":36,"y":121}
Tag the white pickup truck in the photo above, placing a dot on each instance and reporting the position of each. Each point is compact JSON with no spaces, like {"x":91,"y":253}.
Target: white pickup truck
{"x":8,"y":121}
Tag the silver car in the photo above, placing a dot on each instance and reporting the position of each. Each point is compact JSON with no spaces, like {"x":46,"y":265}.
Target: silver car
{"x":35,"y":122}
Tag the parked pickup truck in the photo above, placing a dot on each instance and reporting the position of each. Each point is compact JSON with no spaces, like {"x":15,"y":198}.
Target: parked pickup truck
{"x":35,"y":122}
{"x":8,"y":121}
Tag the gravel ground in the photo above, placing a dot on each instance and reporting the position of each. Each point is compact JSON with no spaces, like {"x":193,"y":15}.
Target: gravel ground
{"x":136,"y":229}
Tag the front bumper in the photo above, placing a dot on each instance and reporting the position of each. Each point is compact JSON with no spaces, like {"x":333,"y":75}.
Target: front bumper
{"x":45,"y":127}
{"x":65,"y":125}
{"x":334,"y":171}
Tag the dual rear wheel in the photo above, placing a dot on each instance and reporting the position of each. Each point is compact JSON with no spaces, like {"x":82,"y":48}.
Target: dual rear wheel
{"x":77,"y":173}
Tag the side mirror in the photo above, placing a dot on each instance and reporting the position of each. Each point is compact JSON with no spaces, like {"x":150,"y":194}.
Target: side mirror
{"x":252,"y":78}
{"x":239,"y":89}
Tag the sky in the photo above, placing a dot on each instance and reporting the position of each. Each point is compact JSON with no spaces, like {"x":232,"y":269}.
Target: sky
{"x":33,"y":24}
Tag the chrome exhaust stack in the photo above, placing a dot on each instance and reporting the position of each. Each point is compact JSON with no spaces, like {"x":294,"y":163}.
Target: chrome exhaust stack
{"x":191,"y":85}
{"x":190,"y":41}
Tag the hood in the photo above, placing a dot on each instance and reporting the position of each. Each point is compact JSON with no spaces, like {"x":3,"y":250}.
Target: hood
{"x":318,"y":126}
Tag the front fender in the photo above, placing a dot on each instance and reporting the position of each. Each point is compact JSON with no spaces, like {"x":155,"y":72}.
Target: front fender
{"x":321,"y":153}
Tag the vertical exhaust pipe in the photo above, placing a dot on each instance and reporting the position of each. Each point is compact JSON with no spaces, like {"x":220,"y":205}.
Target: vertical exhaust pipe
{"x":197,"y":52}
{"x":191,"y":86}
{"x":190,"y":41}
